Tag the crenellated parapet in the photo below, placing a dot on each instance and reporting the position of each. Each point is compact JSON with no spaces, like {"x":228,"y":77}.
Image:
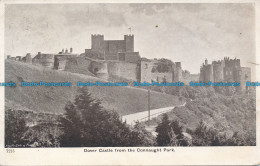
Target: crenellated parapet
{"x":97,"y":35}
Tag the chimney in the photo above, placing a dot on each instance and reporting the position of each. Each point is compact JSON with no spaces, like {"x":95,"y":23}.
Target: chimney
{"x":206,"y":61}
{"x":62,"y":51}
{"x":66,"y":51}
{"x":39,"y":53}
{"x":71,"y":50}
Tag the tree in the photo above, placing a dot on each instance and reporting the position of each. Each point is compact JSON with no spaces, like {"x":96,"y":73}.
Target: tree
{"x":15,"y":127}
{"x":169,"y":133}
{"x":141,"y":136}
{"x":163,"y":130}
{"x":86,"y":123}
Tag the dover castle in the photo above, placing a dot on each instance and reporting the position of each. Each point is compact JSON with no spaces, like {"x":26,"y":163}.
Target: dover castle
{"x":117,"y":60}
{"x":111,"y":59}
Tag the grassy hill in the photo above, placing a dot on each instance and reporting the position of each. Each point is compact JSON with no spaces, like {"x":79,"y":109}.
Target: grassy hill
{"x":124,"y":100}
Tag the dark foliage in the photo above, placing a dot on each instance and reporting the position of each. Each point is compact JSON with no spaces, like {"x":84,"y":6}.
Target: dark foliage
{"x":170,"y":133}
{"x":207,"y":136}
{"x":142,"y":137}
{"x":87,"y":124}
{"x":14,"y":129}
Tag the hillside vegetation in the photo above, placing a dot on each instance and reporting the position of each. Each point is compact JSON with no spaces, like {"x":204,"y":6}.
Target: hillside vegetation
{"x":124,"y":100}
{"x":227,"y":115}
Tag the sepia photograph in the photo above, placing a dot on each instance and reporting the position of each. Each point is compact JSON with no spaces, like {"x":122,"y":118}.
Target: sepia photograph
{"x":147,"y":76}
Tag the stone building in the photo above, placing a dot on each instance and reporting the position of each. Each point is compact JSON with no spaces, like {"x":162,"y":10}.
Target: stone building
{"x":227,"y":70}
{"x":27,"y":58}
{"x":55,"y":61}
{"x":149,"y":71}
{"x":118,"y":56}
{"x":109,"y":49}
{"x":114,"y":59}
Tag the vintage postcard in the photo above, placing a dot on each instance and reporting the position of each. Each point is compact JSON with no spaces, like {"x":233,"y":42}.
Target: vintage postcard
{"x":129,"y":83}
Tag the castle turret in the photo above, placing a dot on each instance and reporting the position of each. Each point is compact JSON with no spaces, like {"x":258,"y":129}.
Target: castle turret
{"x":218,"y":72}
{"x":129,"y":43}
{"x":201,"y":77}
{"x":97,"y":43}
{"x":178,"y":72}
{"x":178,"y":64}
{"x":208,"y":73}
{"x":206,"y":62}
{"x":28,"y":58}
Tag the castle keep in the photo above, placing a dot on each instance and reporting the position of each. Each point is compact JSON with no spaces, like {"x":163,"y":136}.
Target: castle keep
{"x":228,"y":70}
{"x":113,"y":49}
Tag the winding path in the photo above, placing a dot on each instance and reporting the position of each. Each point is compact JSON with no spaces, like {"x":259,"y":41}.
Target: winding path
{"x":143,"y":116}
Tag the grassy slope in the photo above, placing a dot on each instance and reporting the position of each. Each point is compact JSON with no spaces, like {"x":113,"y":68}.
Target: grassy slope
{"x":124,"y":100}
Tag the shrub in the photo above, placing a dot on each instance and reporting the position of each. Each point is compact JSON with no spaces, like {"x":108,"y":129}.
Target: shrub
{"x":14,"y":129}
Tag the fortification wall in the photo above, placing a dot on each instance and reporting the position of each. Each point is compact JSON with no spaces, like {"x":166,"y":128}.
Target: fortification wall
{"x":60,"y":63}
{"x":123,"y":70}
{"x":46,"y":60}
{"x":112,"y":47}
{"x":245,"y":76}
{"x":194,"y":77}
{"x":186,"y":77}
{"x":201,"y":76}
{"x":208,"y":73}
{"x":79,"y":65}
{"x":132,"y":57}
{"x":111,"y":57}
{"x":98,"y":67}
{"x":146,"y":71}
{"x":28,"y":58}
{"x":228,"y":73}
{"x":162,"y":77}
{"x":178,"y":74}
{"x":218,"y":72}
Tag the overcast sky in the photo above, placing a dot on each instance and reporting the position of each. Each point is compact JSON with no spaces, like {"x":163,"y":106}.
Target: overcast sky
{"x":188,"y":33}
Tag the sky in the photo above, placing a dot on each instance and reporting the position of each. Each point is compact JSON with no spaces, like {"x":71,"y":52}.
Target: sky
{"x":186,"y":33}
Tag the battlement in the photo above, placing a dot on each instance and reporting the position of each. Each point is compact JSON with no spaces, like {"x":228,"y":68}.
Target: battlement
{"x":129,"y":35}
{"x":219,"y":62}
{"x":228,"y":59}
{"x":97,"y":35}
{"x":232,"y":62}
{"x":178,"y":64}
